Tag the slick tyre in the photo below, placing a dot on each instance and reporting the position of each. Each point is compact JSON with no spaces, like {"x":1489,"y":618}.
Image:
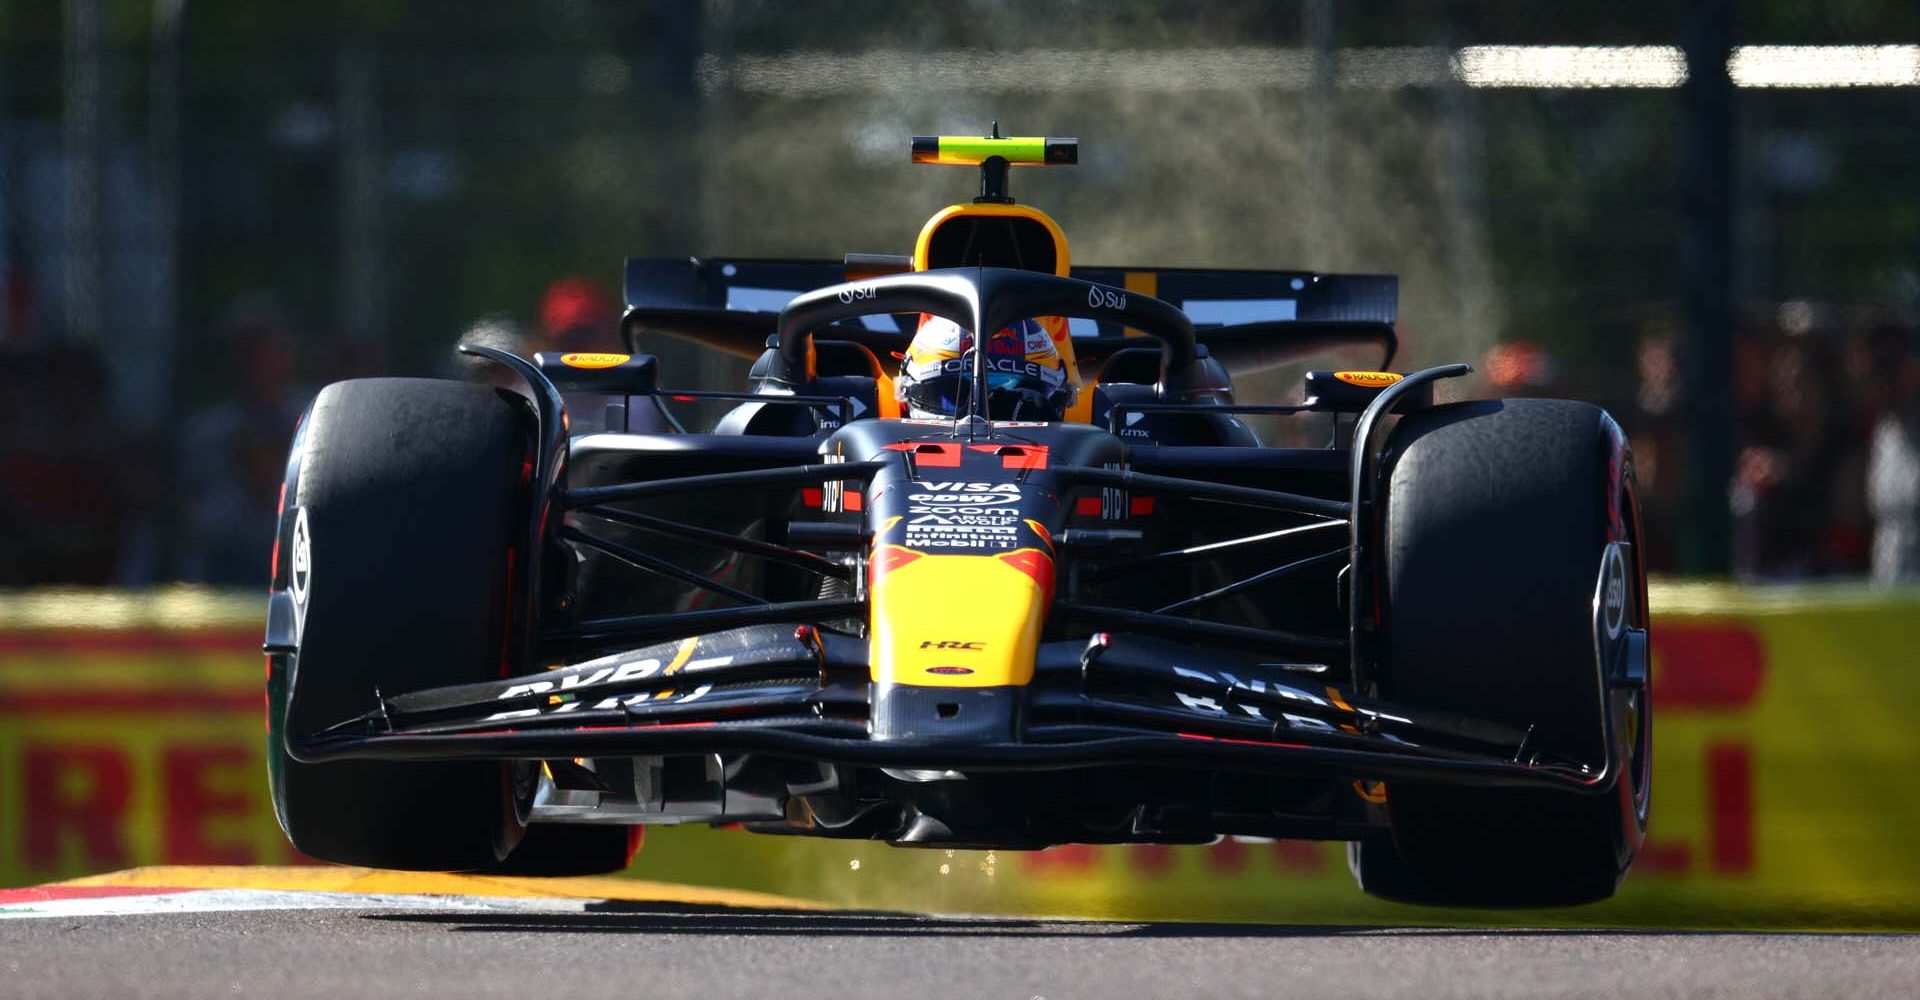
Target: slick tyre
{"x":552,"y":850}
{"x":1496,"y":518}
{"x":403,"y":512}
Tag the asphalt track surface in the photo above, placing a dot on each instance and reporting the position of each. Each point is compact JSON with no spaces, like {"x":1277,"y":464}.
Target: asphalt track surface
{"x":658,"y":949}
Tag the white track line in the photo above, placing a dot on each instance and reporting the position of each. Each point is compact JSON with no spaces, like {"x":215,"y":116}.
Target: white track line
{"x":222,"y":900}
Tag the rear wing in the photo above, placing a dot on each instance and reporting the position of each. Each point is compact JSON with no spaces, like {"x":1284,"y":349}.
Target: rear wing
{"x":1249,"y":320}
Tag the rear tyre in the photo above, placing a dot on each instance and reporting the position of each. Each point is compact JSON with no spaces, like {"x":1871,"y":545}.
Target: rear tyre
{"x":403,"y":514}
{"x":552,"y":850}
{"x":1497,"y":516}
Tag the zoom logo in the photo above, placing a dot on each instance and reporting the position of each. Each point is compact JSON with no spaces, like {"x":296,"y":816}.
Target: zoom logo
{"x":1106,"y":298}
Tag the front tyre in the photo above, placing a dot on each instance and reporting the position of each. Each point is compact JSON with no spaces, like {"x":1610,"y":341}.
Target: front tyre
{"x":405,"y":508}
{"x":1497,"y":518}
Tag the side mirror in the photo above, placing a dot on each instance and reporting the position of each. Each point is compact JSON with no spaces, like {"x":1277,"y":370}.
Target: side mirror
{"x":1350,"y":392}
{"x":608,"y":374}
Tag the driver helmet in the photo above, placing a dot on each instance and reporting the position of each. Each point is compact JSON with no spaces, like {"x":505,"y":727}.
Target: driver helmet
{"x":1025,"y":377}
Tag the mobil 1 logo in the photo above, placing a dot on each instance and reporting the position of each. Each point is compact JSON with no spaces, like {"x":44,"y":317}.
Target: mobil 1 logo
{"x":972,"y":537}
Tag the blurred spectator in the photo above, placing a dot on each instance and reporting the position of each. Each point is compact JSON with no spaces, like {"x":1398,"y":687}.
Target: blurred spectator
{"x":1788,"y":472}
{"x":1521,"y":368}
{"x":1656,"y":426}
{"x":233,"y":453}
{"x":1893,"y":467}
{"x":577,"y":315}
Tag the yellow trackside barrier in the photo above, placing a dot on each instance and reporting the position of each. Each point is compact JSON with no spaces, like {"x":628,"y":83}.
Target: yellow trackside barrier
{"x":1783,"y":727}
{"x":131,"y":733}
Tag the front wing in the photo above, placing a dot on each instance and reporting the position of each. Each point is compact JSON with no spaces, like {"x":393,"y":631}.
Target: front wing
{"x":800,"y":692}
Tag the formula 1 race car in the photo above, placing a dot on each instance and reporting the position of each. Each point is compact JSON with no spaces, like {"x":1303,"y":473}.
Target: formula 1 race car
{"x":935,"y":605}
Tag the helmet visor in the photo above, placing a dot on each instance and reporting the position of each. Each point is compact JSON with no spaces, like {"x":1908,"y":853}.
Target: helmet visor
{"x":1009,"y":396}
